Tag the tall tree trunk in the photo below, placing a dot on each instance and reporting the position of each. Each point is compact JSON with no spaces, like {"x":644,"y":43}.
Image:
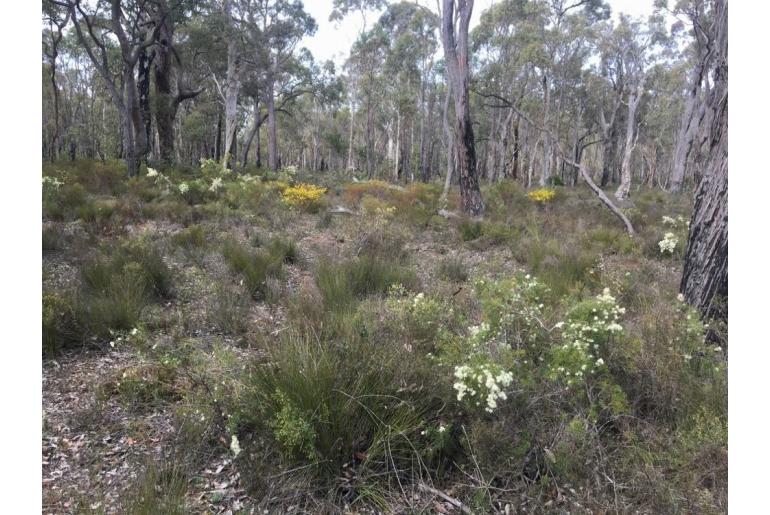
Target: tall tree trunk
{"x":272,"y":136}
{"x":634,"y":97}
{"x":704,"y":278}
{"x":369,"y":137}
{"x":144,"y":66}
{"x":455,"y":42}
{"x":253,"y":131}
{"x":449,"y":149}
{"x":231,"y":91}
{"x":218,"y":138}
{"x":545,"y":171}
{"x":397,"y":154}
{"x":516,"y":150}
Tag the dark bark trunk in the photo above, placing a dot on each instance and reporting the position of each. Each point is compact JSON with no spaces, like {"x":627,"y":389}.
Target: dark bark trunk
{"x":218,"y":138}
{"x":144,"y":66}
{"x":704,"y":279}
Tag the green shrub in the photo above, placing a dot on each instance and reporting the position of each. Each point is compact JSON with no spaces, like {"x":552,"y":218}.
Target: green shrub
{"x":61,"y":326}
{"x":53,"y":238}
{"x":161,"y":489}
{"x":453,"y":269}
{"x":118,"y":286}
{"x":192,"y":238}
{"x":282,"y":247}
{"x":326,"y":403}
{"x":228,"y":310}
{"x":98,"y":273}
{"x":63,"y":203}
{"x":143,"y":386}
{"x":113,"y":299}
{"x":343,"y":283}
{"x":255,"y":267}
{"x":470,"y":230}
{"x":97,"y":212}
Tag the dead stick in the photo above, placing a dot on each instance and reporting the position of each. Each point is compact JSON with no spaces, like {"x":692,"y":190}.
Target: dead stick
{"x":454,"y":502}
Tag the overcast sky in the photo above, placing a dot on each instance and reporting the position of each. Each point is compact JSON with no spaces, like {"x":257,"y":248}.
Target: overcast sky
{"x":333,"y":40}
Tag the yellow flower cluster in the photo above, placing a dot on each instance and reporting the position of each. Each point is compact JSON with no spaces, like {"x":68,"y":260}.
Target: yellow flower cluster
{"x":303,"y":195}
{"x":542,"y":195}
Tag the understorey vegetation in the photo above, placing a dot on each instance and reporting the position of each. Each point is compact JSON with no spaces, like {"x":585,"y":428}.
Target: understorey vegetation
{"x":302,"y":342}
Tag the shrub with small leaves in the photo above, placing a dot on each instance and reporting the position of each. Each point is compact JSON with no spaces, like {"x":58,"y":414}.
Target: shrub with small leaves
{"x":292,"y":430}
{"x":542,"y":195}
{"x":591,"y":326}
{"x":304,"y":196}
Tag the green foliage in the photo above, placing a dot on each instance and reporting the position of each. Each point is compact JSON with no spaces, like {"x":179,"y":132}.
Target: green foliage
{"x":328,"y":402}
{"x":228,"y":309}
{"x":116,"y":287}
{"x":470,"y":230}
{"x":453,"y":269}
{"x":256,"y":267}
{"x":53,"y":238}
{"x":162,"y":488}
{"x":341,"y":284}
{"x":61,"y":326}
{"x":143,"y":386}
{"x":113,"y":298}
{"x":192,"y":238}
{"x":292,"y":431}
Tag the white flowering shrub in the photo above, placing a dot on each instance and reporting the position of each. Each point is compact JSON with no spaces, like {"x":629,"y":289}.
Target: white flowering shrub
{"x":591,"y":326}
{"x":216,"y":184}
{"x":676,"y":223}
{"x":194,"y":192}
{"x":512,"y":310}
{"x":51,"y":184}
{"x":668,"y":243}
{"x":424,"y":317}
{"x":211,"y":167}
{"x":482,"y":385}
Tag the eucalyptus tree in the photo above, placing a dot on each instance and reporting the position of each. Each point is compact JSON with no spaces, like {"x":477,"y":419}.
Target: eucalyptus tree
{"x":172,"y":79}
{"x":366,"y":62}
{"x":698,"y":17}
{"x":410,"y":32}
{"x":55,"y":18}
{"x":637,"y":41}
{"x":455,"y":21}
{"x":340,"y":10}
{"x":275,"y":28}
{"x":704,"y":278}
{"x":99,"y":26}
{"x":229,"y":86}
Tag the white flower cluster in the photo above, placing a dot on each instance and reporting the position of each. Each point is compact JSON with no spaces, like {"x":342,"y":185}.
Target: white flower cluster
{"x":679,"y":221}
{"x":583,"y":333}
{"x":152,"y":172}
{"x":216,"y":184}
{"x":482,"y":383}
{"x":184,"y":188}
{"x":668,"y":243}
{"x":52,"y":183}
{"x":513,"y":310}
{"x":235,"y":446}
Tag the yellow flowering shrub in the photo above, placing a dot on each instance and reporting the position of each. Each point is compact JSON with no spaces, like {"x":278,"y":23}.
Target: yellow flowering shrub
{"x":542,"y":195}
{"x":305,"y":196}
